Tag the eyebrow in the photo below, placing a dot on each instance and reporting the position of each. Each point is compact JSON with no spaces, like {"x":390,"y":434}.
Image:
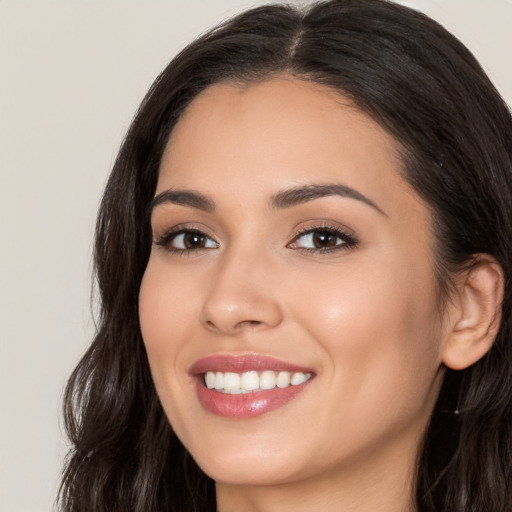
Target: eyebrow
{"x":183,"y":198}
{"x":284,"y":199}
{"x":304,"y":194}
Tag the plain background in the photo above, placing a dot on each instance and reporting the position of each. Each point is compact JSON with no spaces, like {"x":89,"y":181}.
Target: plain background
{"x":71,"y":76}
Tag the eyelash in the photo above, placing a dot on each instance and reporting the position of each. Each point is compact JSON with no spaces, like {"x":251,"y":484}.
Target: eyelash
{"x":347,"y":241}
{"x":169,"y":236}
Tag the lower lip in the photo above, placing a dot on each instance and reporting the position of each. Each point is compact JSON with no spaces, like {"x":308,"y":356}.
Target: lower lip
{"x":246,"y":405}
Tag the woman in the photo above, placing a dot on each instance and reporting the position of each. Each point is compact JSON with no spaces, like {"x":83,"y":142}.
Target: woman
{"x":304,"y":264}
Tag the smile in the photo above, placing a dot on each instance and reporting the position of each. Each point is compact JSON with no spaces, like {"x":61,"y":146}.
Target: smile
{"x":252,"y":381}
{"x":247,"y":386}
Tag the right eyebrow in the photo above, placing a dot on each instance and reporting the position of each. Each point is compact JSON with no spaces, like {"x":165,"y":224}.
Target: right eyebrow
{"x":183,"y":198}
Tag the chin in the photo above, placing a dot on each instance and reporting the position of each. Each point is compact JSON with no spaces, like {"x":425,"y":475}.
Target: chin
{"x":252,"y":465}
{"x":247,"y":472}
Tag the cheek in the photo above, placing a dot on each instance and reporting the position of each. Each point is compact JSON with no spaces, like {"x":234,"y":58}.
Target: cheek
{"x":164,"y":305}
{"x":370,"y":298}
{"x":377,"y":325}
{"x":164,"y":311}
{"x":165,"y":314}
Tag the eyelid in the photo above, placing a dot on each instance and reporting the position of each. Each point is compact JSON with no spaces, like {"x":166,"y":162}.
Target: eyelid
{"x":345,"y":234}
{"x":164,"y":240}
{"x":342,"y":232}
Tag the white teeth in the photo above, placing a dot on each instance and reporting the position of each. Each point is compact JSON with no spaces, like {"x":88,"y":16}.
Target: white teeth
{"x":249,"y":381}
{"x":236,"y":383}
{"x":210,"y":380}
{"x":298,"y":378}
{"x":268,"y":380}
{"x":283,"y":380}
{"x":231,"y":381}
{"x":219,"y":380}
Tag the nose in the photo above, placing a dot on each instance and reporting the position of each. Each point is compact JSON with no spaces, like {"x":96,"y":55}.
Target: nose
{"x":241,"y":296}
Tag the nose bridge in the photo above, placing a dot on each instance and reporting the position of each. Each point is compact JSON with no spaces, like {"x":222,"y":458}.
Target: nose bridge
{"x":241,"y":294}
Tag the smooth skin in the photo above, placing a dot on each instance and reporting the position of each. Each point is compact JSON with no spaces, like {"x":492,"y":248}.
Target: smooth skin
{"x":342,"y":284}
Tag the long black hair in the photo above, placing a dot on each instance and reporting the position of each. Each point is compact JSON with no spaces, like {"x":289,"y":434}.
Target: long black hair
{"x":455,"y":136}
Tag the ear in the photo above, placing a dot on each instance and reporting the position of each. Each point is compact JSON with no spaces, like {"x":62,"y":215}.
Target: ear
{"x":476,"y":314}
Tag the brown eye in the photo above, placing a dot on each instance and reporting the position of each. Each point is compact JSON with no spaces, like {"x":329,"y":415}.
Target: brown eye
{"x":319,"y":239}
{"x":187,"y":240}
{"x":193,"y":240}
{"x":323,"y":239}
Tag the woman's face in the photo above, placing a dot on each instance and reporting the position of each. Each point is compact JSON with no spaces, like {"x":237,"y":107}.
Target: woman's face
{"x":288,"y":246}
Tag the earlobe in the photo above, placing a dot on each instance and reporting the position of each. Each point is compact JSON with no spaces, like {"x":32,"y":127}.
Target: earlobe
{"x":478,"y":314}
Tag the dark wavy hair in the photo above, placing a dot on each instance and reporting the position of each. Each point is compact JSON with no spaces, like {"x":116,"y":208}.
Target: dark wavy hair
{"x":455,"y":136}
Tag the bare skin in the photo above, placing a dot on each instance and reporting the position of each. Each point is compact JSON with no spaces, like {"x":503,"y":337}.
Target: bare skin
{"x":341,"y":284}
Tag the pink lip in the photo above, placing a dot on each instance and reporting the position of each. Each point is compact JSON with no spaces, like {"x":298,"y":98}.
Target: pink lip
{"x":243,"y":363}
{"x":247,"y":405}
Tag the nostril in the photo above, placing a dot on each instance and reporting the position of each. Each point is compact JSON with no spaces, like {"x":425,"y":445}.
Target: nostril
{"x":226,"y":313}
{"x":249,"y":323}
{"x":244,"y":324}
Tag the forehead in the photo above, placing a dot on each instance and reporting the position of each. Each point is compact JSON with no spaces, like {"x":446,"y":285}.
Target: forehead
{"x":259,"y":138}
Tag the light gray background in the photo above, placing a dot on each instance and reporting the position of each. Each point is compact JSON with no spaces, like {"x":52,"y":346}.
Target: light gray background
{"x":71,"y":76}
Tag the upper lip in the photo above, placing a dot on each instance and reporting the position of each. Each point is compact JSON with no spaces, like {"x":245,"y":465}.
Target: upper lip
{"x":243,"y":363}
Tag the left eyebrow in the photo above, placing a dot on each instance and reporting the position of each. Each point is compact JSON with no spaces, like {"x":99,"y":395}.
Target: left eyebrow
{"x":304,"y":194}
